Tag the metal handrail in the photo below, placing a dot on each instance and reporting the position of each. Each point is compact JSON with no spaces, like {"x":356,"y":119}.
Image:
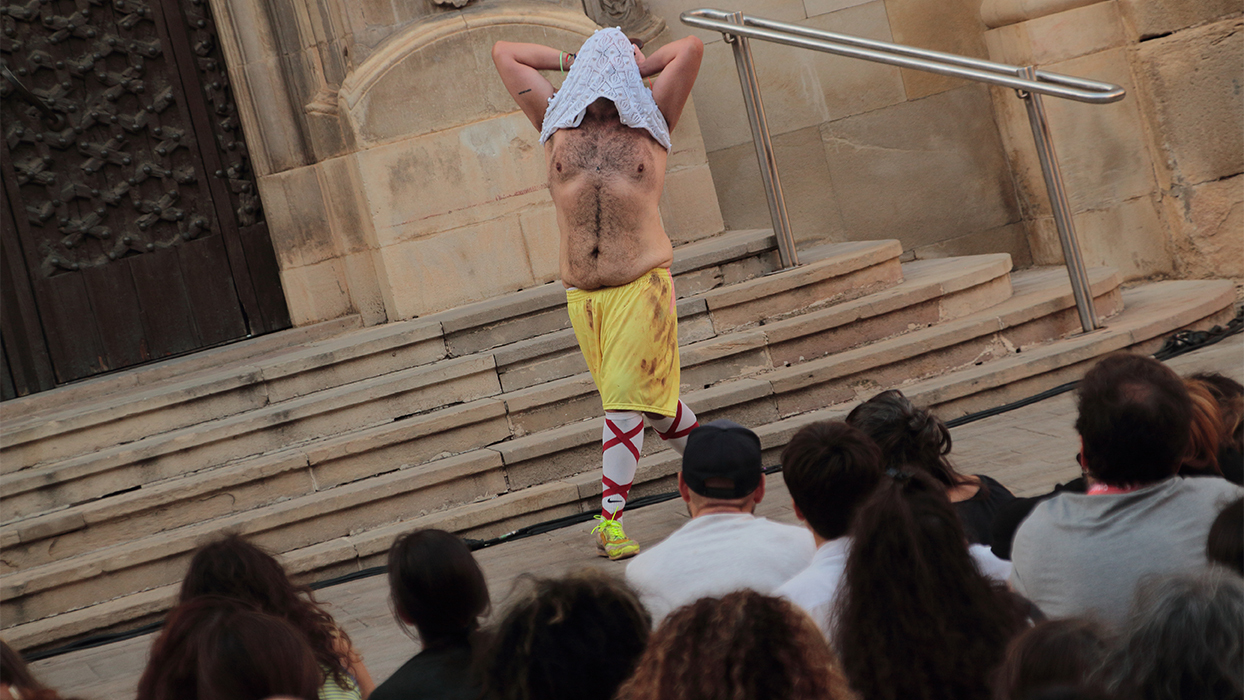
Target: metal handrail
{"x":1029,"y":82}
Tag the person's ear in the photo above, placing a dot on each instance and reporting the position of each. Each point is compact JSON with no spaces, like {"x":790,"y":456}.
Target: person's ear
{"x":798,"y":513}
{"x":759,"y":493}
{"x":683,"y":489}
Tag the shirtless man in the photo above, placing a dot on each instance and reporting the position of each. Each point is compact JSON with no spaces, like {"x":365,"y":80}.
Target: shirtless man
{"x":606,"y":143}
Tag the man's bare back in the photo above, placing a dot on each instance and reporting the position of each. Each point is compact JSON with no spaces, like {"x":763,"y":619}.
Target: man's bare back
{"x":606,"y":180}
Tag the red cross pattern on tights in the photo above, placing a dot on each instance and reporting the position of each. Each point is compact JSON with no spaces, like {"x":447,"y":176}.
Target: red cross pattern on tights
{"x":673,"y":434}
{"x":613,"y":488}
{"x":623,"y":438}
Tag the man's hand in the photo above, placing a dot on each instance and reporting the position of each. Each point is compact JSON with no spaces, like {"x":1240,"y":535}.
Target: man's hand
{"x":519,"y":66}
{"x":678,"y":62}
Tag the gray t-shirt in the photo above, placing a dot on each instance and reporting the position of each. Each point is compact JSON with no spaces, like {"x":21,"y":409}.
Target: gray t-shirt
{"x":715,"y":554}
{"x":1078,"y":554}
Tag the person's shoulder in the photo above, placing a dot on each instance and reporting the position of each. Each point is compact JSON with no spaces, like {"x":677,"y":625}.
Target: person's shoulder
{"x":1210,"y":488}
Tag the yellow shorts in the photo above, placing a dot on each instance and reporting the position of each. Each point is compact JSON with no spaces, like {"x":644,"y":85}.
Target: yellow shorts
{"x":629,"y":337}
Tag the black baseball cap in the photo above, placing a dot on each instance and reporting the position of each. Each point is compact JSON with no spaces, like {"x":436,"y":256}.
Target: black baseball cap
{"x":722,"y":449}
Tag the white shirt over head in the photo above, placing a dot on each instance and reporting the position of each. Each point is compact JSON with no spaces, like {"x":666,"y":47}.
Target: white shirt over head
{"x":715,"y":554}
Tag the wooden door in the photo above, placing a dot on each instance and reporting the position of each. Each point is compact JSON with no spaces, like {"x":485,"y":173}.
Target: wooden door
{"x":133,"y":211}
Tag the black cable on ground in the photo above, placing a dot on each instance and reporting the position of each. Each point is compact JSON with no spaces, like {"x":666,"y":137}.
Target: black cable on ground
{"x":1179,"y":343}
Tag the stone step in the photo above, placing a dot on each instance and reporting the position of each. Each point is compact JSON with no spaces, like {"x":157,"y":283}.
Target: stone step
{"x":177,"y":393}
{"x":840,"y":271}
{"x":934,"y":290}
{"x":1152,"y":312}
{"x":549,"y":455}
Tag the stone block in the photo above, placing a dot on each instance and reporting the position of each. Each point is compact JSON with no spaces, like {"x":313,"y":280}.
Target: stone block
{"x":457,"y":266}
{"x":1152,"y":18}
{"x":542,"y":239}
{"x":953,"y":26}
{"x":1130,"y":236}
{"x":273,"y":128}
{"x":452,"y":178}
{"x":450,"y":50}
{"x":1193,"y":82}
{"x":689,"y":208}
{"x":346,"y":202}
{"x":811,"y":202}
{"x":800,"y":88}
{"x":317,"y":292}
{"x":687,"y":140}
{"x":1008,"y":238}
{"x":669,"y":10}
{"x":927,"y":170}
{"x":822,"y":7}
{"x":298,"y":220}
{"x":1206,"y":221}
{"x":366,"y":296}
{"x":1059,"y":36}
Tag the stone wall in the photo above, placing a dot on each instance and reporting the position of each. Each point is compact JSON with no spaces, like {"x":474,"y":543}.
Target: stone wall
{"x":1154,"y":180}
{"x":398,"y":175}
{"x":865,"y":151}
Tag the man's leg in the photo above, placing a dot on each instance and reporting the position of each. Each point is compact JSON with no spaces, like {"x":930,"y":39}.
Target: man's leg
{"x":621,"y":442}
{"x":674,"y":429}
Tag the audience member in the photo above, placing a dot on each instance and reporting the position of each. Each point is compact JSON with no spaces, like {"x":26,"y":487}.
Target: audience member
{"x":216,"y":648}
{"x":235,"y":568}
{"x":16,"y":680}
{"x":1184,"y":639}
{"x":915,"y":618}
{"x":575,"y":638}
{"x":1230,"y":397}
{"x":724,"y":547}
{"x":435,"y":585}
{"x":1053,"y":654}
{"x":744,"y":646}
{"x":1205,"y":432}
{"x":1082,"y":555}
{"x":910,"y":436}
{"x":1226,"y":538}
{"x":830,"y":469}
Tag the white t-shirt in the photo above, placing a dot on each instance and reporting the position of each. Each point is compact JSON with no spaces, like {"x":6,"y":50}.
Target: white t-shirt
{"x":715,"y":554}
{"x":815,"y":589}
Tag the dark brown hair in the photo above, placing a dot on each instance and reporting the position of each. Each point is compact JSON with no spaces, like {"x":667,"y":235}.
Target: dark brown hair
{"x":573,"y":638}
{"x":744,"y":646}
{"x":437,"y":586}
{"x":15,"y":673}
{"x":1134,"y":418}
{"x":1230,"y":397}
{"x":1226,"y":537}
{"x":234,"y":568}
{"x":915,"y":619}
{"x":215,"y":648}
{"x":908,"y":436}
{"x":1051,"y":654}
{"x":830,"y":468}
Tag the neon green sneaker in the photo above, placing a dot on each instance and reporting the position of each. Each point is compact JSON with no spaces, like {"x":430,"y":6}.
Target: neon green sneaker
{"x":612,"y":542}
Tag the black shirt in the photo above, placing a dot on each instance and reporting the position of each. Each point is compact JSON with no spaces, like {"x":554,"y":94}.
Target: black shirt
{"x":978,"y":511}
{"x":443,"y":673}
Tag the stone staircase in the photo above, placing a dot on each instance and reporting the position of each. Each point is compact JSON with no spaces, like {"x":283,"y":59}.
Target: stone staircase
{"x":324,"y":443}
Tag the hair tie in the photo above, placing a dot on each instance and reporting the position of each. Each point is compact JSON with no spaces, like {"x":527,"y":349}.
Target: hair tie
{"x":899,"y":475}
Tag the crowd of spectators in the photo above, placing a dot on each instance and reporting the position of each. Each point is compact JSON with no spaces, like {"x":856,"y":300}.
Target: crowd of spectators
{"x":907,"y":579}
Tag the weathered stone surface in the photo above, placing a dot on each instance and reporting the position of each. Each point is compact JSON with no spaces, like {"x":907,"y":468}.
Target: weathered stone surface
{"x":1150,"y":18}
{"x":1193,"y":81}
{"x":800,"y":88}
{"x":346,"y":203}
{"x":298,"y":221}
{"x":1010,"y":238}
{"x":997,"y":13}
{"x":927,"y":170}
{"x":1206,"y":222}
{"x":953,"y":26}
{"x":811,"y":202}
{"x":1058,"y":37}
{"x":669,"y":10}
{"x":1129,"y":236}
{"x":366,"y":295}
{"x":316,"y":292}
{"x":280,"y":143}
{"x":689,"y":205}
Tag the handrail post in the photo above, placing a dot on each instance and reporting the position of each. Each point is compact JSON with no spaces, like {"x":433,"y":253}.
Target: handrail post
{"x":1080,"y":286}
{"x":764,"y":147}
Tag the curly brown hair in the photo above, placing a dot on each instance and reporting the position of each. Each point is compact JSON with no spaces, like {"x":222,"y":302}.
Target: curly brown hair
{"x":743,"y":646}
{"x":234,"y":568}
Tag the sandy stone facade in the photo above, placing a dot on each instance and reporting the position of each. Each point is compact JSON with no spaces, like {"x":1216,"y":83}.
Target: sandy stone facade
{"x":399,"y":180}
{"x":1154,"y":180}
{"x":398,"y":176}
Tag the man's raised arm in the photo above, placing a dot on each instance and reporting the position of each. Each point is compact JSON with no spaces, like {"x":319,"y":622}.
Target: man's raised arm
{"x":519,"y":66}
{"x":678,"y":62}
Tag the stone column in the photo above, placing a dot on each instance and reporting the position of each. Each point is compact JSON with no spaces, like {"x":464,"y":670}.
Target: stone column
{"x":1145,"y":176}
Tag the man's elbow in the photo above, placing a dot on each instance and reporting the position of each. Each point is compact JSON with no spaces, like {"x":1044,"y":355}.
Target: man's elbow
{"x":694,"y":46}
